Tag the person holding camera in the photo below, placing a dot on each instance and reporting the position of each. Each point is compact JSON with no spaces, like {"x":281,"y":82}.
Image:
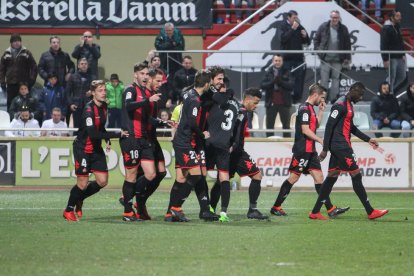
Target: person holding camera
{"x":294,"y":37}
{"x":89,"y":50}
{"x":278,"y":86}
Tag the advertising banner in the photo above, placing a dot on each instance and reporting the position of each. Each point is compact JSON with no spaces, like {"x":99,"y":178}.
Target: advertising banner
{"x":51,"y":163}
{"x":387,"y":168}
{"x":7,"y":162}
{"x":105,"y":13}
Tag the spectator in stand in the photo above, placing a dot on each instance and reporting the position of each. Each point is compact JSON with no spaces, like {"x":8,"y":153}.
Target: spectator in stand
{"x":24,"y":99}
{"x":227,"y":3}
{"x":89,"y":50}
{"x":170,"y":39}
{"x":165,"y":117}
{"x":183,"y":78}
{"x":238,"y":5}
{"x":56,"y":60}
{"x":391,"y":40}
{"x":114,"y":90}
{"x":365,"y":6}
{"x":278,"y":86}
{"x":154,"y":62}
{"x":54,"y":122}
{"x":52,"y":95}
{"x":332,"y":35}
{"x":16,"y":65}
{"x":24,"y":119}
{"x":293,"y":37}
{"x":77,"y":91}
{"x":166,"y":90}
{"x":407,"y":110}
{"x":385,"y":111}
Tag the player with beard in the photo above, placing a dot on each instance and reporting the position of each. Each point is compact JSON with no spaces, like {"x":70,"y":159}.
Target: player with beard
{"x":305,"y":158}
{"x":221,"y":120}
{"x":88,"y":152}
{"x":187,"y":144}
{"x":137,"y":149}
{"x":240,"y":160}
{"x":153,"y":85}
{"x":337,"y":139}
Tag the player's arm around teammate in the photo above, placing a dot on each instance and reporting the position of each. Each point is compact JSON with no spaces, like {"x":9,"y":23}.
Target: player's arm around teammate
{"x":135,"y":113}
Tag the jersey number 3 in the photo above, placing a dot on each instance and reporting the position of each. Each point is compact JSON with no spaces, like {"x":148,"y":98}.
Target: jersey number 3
{"x":229,"y":119}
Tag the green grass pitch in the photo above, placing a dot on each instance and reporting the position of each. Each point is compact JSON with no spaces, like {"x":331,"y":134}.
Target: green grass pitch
{"x":36,"y":240}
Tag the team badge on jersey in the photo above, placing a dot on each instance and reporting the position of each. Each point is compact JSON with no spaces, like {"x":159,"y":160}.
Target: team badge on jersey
{"x":305,"y":117}
{"x":195,"y":111}
{"x":128,"y":95}
{"x":334,"y":114}
{"x":89,"y":121}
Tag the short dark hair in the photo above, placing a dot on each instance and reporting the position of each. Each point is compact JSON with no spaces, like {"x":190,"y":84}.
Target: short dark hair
{"x":187,"y":57}
{"x":357,"y":86}
{"x":139,"y":66}
{"x":216,"y":70}
{"x":53,"y":37}
{"x":201,"y":78}
{"x":252,"y":92}
{"x":83,"y":59}
{"x":292,"y":12}
{"x":23,"y":83}
{"x":153,"y":72}
{"x":383,"y":83}
{"x":52,"y":75}
{"x":316,"y":88}
{"x":392,"y":13}
{"x":155,"y":56}
{"x":15,"y":37}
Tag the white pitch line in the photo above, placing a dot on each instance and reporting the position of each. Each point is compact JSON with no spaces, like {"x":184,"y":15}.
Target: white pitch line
{"x":161,"y":208}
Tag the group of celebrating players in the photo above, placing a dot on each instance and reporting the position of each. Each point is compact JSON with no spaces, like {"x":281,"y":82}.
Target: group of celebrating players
{"x":209,"y":135}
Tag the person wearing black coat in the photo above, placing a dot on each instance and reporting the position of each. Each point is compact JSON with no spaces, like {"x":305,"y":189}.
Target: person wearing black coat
{"x":293,"y":37}
{"x":407,"y":110}
{"x":89,"y":50}
{"x":77,"y":92}
{"x":392,"y":40}
{"x":183,"y":78}
{"x":24,"y":99}
{"x":55,"y":61}
{"x":385,"y":111}
{"x":278,"y":86}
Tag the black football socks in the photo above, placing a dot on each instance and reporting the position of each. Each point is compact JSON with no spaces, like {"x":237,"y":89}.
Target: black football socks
{"x":361,"y":193}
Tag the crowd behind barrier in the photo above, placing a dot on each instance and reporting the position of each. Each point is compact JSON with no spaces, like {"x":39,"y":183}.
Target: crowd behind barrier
{"x":66,"y":86}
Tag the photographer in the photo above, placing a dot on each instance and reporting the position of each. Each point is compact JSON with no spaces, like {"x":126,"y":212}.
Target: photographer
{"x":89,"y":50}
{"x":278,"y":86}
{"x":294,"y":37}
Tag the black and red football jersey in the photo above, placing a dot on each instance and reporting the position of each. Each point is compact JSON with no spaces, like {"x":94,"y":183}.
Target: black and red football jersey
{"x":92,"y":129}
{"x":306,"y":116}
{"x":136,"y":110}
{"x":188,"y":132}
{"x":340,"y":126}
